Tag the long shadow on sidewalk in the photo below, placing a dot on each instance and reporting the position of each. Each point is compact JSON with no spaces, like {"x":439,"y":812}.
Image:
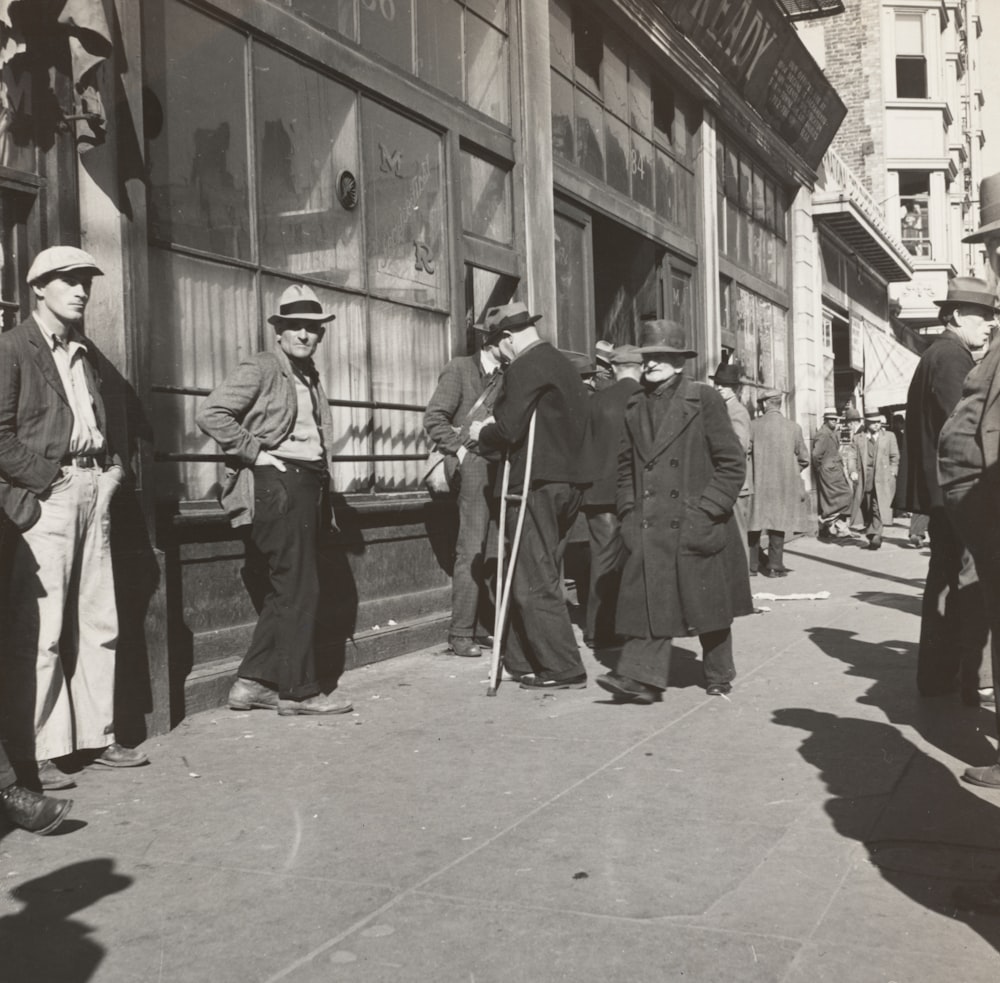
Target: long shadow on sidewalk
{"x":917,"y":582}
{"x":923,"y":831}
{"x":957,"y":730}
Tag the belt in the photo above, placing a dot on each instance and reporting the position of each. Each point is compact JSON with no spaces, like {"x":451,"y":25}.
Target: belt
{"x":83,"y":461}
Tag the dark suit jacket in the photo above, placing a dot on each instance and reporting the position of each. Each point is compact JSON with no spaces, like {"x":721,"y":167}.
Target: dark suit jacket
{"x":36,"y":422}
{"x":935,"y":389}
{"x":541,"y":377}
{"x":607,"y":427}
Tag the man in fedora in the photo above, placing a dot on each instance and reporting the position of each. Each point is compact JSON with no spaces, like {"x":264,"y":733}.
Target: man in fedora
{"x":833,"y":489}
{"x":680,"y":471}
{"x":607,"y":554}
{"x":778,"y":452}
{"x":466,"y":390}
{"x":728,"y":384}
{"x":272,"y":419}
{"x":954,"y":629}
{"x":878,"y":464}
{"x":541,"y":650}
{"x":58,"y":474}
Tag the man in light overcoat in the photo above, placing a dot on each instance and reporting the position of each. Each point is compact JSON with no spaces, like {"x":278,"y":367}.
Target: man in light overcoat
{"x":680,"y":470}
{"x":878,"y":464}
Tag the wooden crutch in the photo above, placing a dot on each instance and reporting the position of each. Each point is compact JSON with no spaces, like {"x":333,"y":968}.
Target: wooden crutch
{"x":506,"y":583}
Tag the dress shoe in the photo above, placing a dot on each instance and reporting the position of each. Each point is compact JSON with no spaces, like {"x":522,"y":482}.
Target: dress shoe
{"x":313,"y":705}
{"x":36,"y":813}
{"x":628,"y":689}
{"x":248,"y":694}
{"x":544,"y":682}
{"x":719,"y":689}
{"x":768,"y":572}
{"x":116,"y":756}
{"x":874,"y":542}
{"x":984,"y":898}
{"x":465,"y":647}
{"x":51,"y":777}
{"x":988,"y":777}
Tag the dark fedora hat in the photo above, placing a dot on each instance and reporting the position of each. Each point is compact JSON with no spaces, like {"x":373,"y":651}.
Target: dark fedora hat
{"x":509,"y":317}
{"x":300,"y":303}
{"x":989,"y":209}
{"x":967,"y":290}
{"x":580,"y":361}
{"x":666,"y":337}
{"x":726,"y":374}
{"x":626,"y":355}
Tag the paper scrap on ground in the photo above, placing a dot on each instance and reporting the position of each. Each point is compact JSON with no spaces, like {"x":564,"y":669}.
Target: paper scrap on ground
{"x":820,"y":595}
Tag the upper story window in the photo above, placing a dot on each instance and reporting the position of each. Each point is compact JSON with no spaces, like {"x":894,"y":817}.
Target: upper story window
{"x":615,"y":119}
{"x":458,"y":46}
{"x":914,"y":197}
{"x":911,"y":57}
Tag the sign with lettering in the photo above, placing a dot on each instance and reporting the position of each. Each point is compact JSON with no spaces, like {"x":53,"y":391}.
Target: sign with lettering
{"x":756,"y":49}
{"x":857,"y":353}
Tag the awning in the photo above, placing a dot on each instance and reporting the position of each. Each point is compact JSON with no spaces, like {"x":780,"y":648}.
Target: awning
{"x":889,"y":367}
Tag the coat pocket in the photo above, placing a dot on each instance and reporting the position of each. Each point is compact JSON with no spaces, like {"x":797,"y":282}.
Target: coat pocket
{"x":701,"y":535}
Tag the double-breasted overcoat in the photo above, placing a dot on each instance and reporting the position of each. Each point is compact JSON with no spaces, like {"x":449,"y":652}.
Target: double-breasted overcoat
{"x":686,"y":572}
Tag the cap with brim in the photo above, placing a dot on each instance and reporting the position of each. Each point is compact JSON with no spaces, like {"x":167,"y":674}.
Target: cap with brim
{"x":727,"y":374}
{"x":663,"y":337}
{"x":580,"y":361}
{"x":62,"y":259}
{"x":875,"y":415}
{"x":603,"y":352}
{"x":765,"y":394}
{"x":626,"y":355}
{"x":300,"y":303}
{"x":989,"y":209}
{"x":510,"y":317}
{"x":967,"y":290}
{"x":831,"y":412}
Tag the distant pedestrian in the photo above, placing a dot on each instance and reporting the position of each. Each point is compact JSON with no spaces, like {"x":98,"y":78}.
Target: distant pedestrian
{"x":878,"y":464}
{"x":729,"y":385}
{"x":272,"y":419}
{"x":778,"y":452}
{"x":833,"y":488}
{"x":607,"y":552}
{"x":680,"y":471}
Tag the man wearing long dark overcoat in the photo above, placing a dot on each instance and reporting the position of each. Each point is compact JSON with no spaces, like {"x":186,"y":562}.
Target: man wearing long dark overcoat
{"x":680,"y":471}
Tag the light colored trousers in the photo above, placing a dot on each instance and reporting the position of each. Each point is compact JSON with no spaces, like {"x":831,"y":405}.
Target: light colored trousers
{"x":59,"y":670}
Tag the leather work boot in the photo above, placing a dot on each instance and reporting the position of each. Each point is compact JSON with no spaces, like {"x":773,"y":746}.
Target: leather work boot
{"x":248,"y":694}
{"x":465,"y":647}
{"x":320,"y":703}
{"x":36,"y":813}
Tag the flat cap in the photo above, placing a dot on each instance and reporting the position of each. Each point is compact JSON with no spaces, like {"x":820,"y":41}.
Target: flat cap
{"x":61,"y":259}
{"x":765,"y":394}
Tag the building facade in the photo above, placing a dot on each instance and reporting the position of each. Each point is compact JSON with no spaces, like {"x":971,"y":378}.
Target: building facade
{"x":415,"y":162}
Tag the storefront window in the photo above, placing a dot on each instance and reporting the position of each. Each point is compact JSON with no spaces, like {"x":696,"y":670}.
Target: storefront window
{"x":487,"y":68}
{"x":630,"y":128}
{"x":307,"y":132}
{"x":486,"y":199}
{"x":439,"y":45}
{"x":196,"y":86}
{"x":386,"y":28}
{"x":573,"y":286}
{"x":405,"y":214}
{"x":761,"y":336}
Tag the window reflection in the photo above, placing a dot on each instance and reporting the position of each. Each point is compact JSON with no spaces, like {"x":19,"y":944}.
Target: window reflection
{"x":199,"y":190}
{"x":486,"y":199}
{"x":306,"y":129}
{"x":386,"y":28}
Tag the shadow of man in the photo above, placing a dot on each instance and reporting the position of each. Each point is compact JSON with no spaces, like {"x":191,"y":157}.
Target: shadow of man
{"x":924,"y":832}
{"x":43,"y":941}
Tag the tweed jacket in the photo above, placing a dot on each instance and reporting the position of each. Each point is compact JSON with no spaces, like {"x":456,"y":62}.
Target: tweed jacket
{"x":36,"y":422}
{"x":541,"y":377}
{"x":935,"y":389}
{"x":686,"y":572}
{"x":255,"y":409}
{"x":459,"y":385}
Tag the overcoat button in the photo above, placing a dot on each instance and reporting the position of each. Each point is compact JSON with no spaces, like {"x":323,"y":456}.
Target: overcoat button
{"x":674,"y":463}
{"x":649,"y":467}
{"x":675,"y":524}
{"x":674,"y":493}
{"x":645,"y":523}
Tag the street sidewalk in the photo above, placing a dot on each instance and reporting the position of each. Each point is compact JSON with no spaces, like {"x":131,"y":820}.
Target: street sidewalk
{"x":810,"y":828}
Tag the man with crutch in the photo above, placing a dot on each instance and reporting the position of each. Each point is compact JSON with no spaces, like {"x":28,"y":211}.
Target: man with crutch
{"x":541,"y":650}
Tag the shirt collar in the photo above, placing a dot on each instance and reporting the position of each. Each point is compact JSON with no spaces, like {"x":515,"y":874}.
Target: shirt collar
{"x":72,"y":344}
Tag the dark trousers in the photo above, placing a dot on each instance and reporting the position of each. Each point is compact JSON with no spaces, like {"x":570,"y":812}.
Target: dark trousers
{"x":468,"y":579}
{"x":8,"y":535}
{"x":775,"y":559}
{"x":647,"y":660}
{"x":870,"y":514}
{"x":285,"y":528}
{"x":973,"y":510}
{"x":954,"y":628}
{"x":607,"y":557}
{"x":540,"y":638}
